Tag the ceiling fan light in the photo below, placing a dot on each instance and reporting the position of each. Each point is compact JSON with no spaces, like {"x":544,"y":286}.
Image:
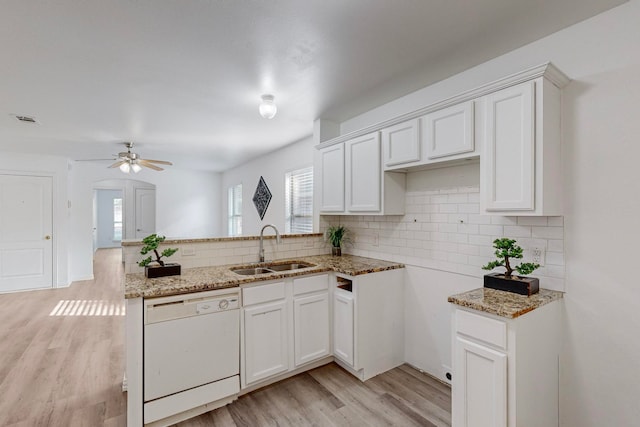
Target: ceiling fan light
{"x":268,"y":107}
{"x":136,"y":167}
{"x":125,"y":167}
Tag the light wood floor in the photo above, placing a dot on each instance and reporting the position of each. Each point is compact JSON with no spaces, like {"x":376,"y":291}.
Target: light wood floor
{"x":62,"y":359}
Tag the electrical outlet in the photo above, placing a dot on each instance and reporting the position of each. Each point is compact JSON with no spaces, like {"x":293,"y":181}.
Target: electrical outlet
{"x":375,"y":239}
{"x":536,"y":255}
{"x":308,"y":243}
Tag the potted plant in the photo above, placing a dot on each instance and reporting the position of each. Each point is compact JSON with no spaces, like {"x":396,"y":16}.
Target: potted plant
{"x":160,"y":268}
{"x":505,"y":249}
{"x":336,"y":234}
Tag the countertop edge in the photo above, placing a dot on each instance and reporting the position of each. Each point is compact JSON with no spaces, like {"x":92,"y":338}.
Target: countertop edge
{"x":504,"y":304}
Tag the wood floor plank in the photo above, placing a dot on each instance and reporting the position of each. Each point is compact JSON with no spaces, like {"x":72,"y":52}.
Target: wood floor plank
{"x":64,"y":368}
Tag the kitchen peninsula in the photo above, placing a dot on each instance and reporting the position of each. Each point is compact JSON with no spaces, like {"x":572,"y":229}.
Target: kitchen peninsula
{"x":239,"y":332}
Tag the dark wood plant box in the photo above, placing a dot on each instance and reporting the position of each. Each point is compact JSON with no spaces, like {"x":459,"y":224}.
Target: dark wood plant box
{"x":153,"y":271}
{"x":516,"y":284}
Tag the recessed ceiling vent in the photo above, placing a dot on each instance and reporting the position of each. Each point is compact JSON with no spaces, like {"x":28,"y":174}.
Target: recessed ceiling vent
{"x":26,"y":119}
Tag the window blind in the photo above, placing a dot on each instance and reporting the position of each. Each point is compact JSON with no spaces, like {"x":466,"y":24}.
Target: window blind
{"x":299,"y":201}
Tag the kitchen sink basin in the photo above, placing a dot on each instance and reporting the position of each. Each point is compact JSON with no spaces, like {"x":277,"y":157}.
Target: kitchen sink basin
{"x":287,"y":267}
{"x":251,"y":271}
{"x":270,"y":268}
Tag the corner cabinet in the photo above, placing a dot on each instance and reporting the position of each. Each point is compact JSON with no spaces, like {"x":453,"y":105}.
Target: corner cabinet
{"x":368,"y":322}
{"x":520,"y":165}
{"x":505,"y":371}
{"x":352,"y":180}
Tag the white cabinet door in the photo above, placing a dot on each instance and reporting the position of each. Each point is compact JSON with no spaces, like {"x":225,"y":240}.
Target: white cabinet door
{"x":509,"y":149}
{"x":332,"y":179}
{"x":364,"y":171}
{"x":266,"y":341}
{"x":401,"y":143}
{"x":311,"y":327}
{"x":343,"y":335}
{"x":449,"y":131}
{"x":479,"y":386}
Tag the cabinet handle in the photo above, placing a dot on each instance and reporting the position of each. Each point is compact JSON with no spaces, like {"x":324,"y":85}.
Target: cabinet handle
{"x":47,"y":237}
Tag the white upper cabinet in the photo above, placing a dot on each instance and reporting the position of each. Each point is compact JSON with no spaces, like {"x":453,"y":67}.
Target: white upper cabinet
{"x":449,"y":131}
{"x":520,"y":169}
{"x":353,"y":181}
{"x":511,"y":124}
{"x":332,"y":179}
{"x":363,"y":173}
{"x":509,"y":149}
{"x":401,"y":143}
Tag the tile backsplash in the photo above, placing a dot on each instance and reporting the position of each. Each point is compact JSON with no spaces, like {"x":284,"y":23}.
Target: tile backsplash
{"x":235,"y":250}
{"x":442,"y":229}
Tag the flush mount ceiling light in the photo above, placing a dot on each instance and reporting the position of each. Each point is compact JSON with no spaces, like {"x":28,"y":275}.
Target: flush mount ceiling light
{"x":268,"y":107}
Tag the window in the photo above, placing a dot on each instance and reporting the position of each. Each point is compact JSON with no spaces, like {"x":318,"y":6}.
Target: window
{"x":235,"y":210}
{"x":299,"y":201}
{"x":117,"y":219}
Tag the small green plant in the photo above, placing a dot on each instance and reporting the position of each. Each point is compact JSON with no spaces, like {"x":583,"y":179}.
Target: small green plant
{"x":151,"y":243}
{"x":336,"y":234}
{"x":506,"y":248}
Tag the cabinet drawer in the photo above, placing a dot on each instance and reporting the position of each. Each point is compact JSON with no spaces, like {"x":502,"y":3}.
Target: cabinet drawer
{"x":263,"y":293}
{"x":304,"y":285}
{"x":482,"y":328}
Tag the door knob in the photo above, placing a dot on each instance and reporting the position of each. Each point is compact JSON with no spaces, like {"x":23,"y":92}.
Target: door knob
{"x":47,"y":237}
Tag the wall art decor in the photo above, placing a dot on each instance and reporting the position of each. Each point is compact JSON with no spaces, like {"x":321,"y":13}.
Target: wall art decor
{"x":262,"y":197}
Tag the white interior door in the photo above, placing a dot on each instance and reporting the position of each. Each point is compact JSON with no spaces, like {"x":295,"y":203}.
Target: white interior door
{"x":26,"y":240}
{"x":145,"y":212}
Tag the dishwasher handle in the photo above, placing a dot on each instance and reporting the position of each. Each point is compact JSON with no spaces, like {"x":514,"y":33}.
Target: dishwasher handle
{"x":190,"y":307}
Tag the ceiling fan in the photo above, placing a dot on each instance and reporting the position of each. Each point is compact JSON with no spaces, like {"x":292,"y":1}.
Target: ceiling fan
{"x":129,"y":161}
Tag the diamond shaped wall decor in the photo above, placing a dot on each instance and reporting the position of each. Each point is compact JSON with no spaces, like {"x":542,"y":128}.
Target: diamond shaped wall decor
{"x":262,"y":197}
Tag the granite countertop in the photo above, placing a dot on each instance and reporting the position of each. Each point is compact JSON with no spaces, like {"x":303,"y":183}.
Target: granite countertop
{"x":220,"y":277}
{"x":504,"y":304}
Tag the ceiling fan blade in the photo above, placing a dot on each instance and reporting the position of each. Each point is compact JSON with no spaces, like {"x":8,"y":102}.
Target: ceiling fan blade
{"x":162,"y":162}
{"x":149,"y":165}
{"x":118,"y":163}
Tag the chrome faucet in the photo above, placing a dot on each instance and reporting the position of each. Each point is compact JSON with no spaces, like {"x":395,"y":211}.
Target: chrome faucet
{"x":261,"y":252}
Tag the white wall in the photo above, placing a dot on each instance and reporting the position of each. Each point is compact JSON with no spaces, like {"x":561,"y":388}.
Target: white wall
{"x":600,"y":366}
{"x":57,"y":167}
{"x":187,"y":205}
{"x":272,"y":167}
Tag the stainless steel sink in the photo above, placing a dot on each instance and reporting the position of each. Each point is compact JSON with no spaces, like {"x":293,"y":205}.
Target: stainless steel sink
{"x":287,"y":267}
{"x":270,"y":268}
{"x":251,"y":271}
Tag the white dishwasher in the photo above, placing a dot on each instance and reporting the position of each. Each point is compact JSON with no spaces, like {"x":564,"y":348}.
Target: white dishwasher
{"x":191,"y":351}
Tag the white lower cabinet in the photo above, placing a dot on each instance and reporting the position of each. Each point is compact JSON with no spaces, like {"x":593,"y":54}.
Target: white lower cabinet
{"x":285,"y":325}
{"x":368,"y":322}
{"x":311,"y":327}
{"x":505,"y":371}
{"x":483,"y":374}
{"x":266,"y":340}
{"x":343,"y":326}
